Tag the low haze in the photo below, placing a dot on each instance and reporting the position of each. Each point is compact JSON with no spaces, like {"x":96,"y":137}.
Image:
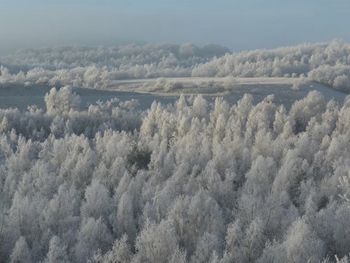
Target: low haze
{"x":239,"y":25}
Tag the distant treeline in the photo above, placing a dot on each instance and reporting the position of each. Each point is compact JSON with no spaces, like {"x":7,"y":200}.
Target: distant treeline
{"x":327,"y":63}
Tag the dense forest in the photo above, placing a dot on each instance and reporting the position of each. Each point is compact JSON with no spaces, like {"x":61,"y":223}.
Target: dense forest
{"x":190,"y":182}
{"x":327,"y":63}
{"x":98,"y":67}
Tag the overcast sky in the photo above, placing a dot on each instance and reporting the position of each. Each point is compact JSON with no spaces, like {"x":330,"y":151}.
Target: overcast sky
{"x":237,"y":24}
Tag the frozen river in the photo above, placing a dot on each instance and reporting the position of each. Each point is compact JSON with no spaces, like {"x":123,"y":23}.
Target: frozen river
{"x":21,"y":97}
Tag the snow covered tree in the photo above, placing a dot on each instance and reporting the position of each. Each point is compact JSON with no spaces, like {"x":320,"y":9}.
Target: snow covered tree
{"x":93,"y":235}
{"x":156,"y":243}
{"x":21,"y":252}
{"x":61,"y":101}
{"x":57,"y":252}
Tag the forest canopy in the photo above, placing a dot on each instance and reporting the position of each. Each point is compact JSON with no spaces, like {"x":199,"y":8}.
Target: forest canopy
{"x":189,"y":182}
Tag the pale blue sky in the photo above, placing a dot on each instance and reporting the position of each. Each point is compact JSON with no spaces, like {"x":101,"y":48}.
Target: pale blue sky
{"x":237,"y":24}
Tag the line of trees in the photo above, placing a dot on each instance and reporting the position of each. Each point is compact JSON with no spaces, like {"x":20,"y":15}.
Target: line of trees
{"x":325,"y":63}
{"x":99,"y":67}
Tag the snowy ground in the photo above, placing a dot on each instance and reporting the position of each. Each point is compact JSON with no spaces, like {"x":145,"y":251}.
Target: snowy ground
{"x":197,"y":80}
{"x":194,"y":85}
